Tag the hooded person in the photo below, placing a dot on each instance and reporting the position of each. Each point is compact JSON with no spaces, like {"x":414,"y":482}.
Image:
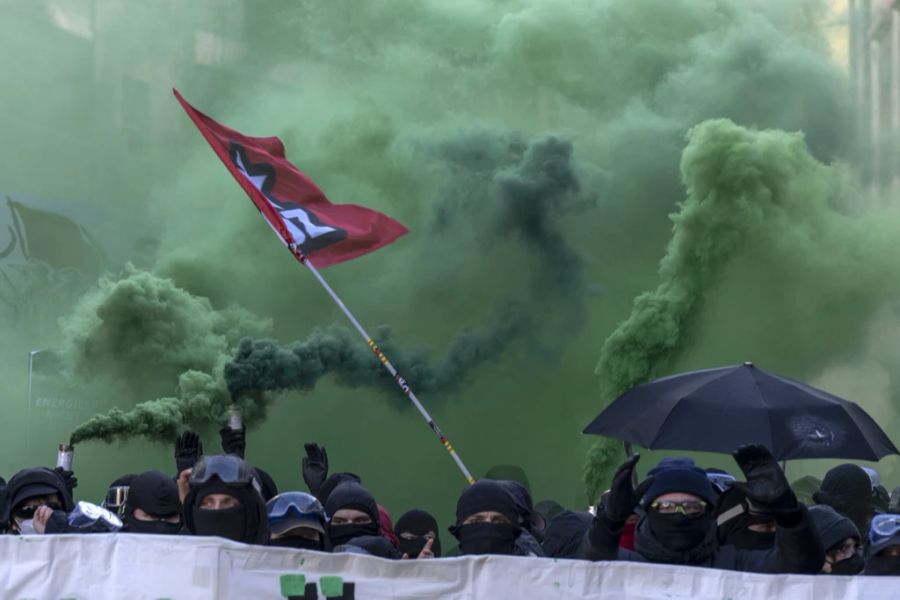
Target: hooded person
{"x":840,"y":539}
{"x":224,"y":499}
{"x":847,"y":488}
{"x":152,"y":505}
{"x":297,"y":520}
{"x":564,"y":534}
{"x":742,"y":523}
{"x":678,"y":526}
{"x":883,"y":546}
{"x":532,"y":522}
{"x":30,"y":489}
{"x":414,"y":529}
{"x":117,"y":494}
{"x":490,"y":520}
{"x":354,"y":513}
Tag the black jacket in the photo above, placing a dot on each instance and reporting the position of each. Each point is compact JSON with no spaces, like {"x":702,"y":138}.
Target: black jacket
{"x":797,"y":547}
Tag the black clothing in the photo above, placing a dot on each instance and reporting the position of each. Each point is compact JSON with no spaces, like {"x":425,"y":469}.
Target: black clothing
{"x":342,"y":534}
{"x":418,"y":523}
{"x":487,"y":538}
{"x":371,"y":544}
{"x":847,"y":489}
{"x":352,"y":495}
{"x":565,"y":532}
{"x":488,"y":495}
{"x":156,"y":494}
{"x":734,"y":514}
{"x":797,"y":547}
{"x":882,"y":565}
{"x":246,"y":523}
{"x":37,"y":481}
{"x":268,"y":488}
{"x":333,"y":482}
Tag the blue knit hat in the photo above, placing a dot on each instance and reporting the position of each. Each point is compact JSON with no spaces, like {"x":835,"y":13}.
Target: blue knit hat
{"x":683,"y":479}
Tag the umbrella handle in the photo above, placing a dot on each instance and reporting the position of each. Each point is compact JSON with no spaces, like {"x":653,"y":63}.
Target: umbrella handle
{"x":629,"y":452}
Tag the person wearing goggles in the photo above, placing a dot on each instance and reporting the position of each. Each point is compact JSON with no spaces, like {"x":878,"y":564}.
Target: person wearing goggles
{"x":224,"y":499}
{"x":677,"y":525}
{"x":117,"y":494}
{"x":296,"y":520}
{"x":31,"y":489}
{"x":884,"y":546}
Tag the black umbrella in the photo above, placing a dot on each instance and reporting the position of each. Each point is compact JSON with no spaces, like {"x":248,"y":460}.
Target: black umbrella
{"x":717,"y":410}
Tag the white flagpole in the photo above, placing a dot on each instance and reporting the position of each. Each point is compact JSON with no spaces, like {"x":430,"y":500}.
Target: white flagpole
{"x":304,"y":260}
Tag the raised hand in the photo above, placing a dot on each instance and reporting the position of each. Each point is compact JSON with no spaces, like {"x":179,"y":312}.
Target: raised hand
{"x":766,"y":483}
{"x":315,"y":467}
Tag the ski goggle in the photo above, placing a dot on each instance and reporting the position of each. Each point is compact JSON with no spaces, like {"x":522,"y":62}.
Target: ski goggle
{"x":27,"y":512}
{"x":297,"y":505}
{"x":230,"y":470}
{"x":883,"y":527}
{"x":116,"y":496}
{"x":687,"y":508}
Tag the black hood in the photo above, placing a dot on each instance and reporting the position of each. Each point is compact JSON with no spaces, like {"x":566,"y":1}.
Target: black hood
{"x":563,"y":536}
{"x":418,"y":522}
{"x":352,"y":495}
{"x":833,"y":527}
{"x":848,"y":490}
{"x":37,"y":481}
{"x":333,"y":481}
{"x":489,"y":495}
{"x":155,"y":493}
{"x":267,"y":485}
{"x":255,"y":528}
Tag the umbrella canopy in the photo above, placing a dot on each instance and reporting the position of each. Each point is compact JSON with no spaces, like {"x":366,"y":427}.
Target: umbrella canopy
{"x":717,"y":410}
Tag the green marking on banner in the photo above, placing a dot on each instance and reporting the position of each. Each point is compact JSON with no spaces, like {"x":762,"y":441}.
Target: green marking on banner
{"x":293,"y":585}
{"x":331,"y":585}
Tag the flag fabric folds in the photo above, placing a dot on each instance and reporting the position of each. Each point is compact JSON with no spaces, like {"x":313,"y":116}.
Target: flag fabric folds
{"x":291,"y":203}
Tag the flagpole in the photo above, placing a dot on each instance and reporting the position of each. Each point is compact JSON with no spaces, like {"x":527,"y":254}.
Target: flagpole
{"x":304,"y":260}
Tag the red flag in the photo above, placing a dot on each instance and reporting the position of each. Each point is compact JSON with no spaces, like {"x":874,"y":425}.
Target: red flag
{"x":292,"y":204}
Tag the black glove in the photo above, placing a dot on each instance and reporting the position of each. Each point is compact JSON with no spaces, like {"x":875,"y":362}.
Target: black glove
{"x":68,"y":478}
{"x":234,"y":441}
{"x":188,"y":450}
{"x":315,"y":467}
{"x":766,"y":483}
{"x":623,"y":498}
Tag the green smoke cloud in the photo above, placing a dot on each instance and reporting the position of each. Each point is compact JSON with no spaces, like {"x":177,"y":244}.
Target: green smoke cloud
{"x":369,"y":98}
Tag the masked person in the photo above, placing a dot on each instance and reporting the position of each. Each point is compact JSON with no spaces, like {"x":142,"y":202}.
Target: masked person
{"x":884,"y":546}
{"x":490,"y":520}
{"x":678,"y":526}
{"x":841,"y":540}
{"x":565,"y":532}
{"x":30,"y":489}
{"x":847,"y":489}
{"x":117,"y":494}
{"x":415,"y":529}
{"x":742,"y":523}
{"x":224,"y":499}
{"x":296,"y":520}
{"x":152,"y":505}
{"x":354,"y":513}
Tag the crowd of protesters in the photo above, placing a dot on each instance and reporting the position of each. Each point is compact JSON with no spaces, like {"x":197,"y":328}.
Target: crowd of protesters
{"x":679,"y":513}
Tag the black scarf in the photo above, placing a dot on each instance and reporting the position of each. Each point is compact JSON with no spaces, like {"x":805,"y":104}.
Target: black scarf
{"x":651,"y":547}
{"x":487,"y":538}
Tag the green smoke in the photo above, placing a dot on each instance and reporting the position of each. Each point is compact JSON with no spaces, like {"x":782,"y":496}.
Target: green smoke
{"x":372,"y":100}
{"x":762,"y":211}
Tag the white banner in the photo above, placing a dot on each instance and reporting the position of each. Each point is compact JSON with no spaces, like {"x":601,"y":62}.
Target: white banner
{"x":93,"y":567}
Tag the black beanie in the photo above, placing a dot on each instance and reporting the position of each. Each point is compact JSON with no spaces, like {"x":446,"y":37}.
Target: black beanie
{"x":488,"y":495}
{"x":686,"y":480}
{"x":833,"y":527}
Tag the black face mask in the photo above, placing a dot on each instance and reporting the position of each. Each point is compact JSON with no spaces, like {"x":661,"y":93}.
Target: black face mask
{"x":849,"y":566}
{"x":296,"y":541}
{"x":229,"y":523}
{"x":487,"y":538}
{"x":883,"y":565}
{"x":747,"y":539}
{"x":679,"y":532}
{"x":341,"y":534}
{"x":157,"y":527}
{"x":412,"y":548}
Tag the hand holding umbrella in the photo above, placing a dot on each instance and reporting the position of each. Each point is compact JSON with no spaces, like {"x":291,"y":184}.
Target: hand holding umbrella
{"x":623,"y":498}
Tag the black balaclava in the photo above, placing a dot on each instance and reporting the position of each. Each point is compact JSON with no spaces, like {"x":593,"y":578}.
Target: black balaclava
{"x":374,"y":545}
{"x":833,"y":529}
{"x":156,"y":494}
{"x":680,"y":532}
{"x":487,"y":538}
{"x":847,"y":489}
{"x":353,"y":496}
{"x":245,"y":523}
{"x":565,"y":532}
{"x":418,"y":523}
{"x":881,"y":564}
